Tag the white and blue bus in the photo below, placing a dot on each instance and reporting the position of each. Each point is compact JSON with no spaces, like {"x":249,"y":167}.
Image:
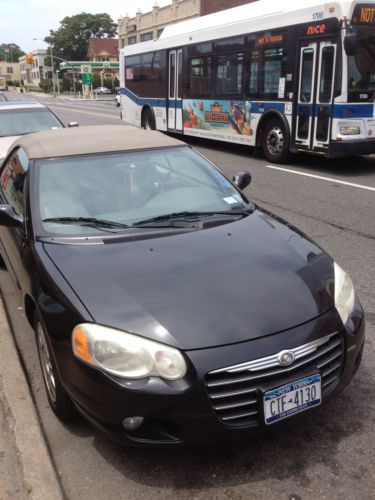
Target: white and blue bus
{"x":280,"y":76}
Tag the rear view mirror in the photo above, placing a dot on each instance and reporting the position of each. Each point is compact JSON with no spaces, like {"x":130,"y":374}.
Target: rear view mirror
{"x":242,"y":180}
{"x":9,"y":218}
{"x":73,"y":124}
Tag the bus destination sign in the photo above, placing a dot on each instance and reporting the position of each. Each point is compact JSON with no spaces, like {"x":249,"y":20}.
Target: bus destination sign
{"x":364,"y":15}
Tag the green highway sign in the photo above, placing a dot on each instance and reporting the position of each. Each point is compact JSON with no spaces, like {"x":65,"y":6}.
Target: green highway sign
{"x":87,"y":78}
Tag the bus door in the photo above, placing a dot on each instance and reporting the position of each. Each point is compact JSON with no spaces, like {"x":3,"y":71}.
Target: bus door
{"x":315,"y":95}
{"x":174,"y":105}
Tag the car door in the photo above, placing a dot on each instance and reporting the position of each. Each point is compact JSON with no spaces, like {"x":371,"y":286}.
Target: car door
{"x":13,"y":188}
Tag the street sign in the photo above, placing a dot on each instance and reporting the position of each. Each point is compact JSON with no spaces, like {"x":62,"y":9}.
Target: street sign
{"x":85,"y":68}
{"x":87,"y":78}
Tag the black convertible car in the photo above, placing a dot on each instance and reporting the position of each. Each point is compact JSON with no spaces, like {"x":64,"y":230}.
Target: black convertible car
{"x":168,"y":309}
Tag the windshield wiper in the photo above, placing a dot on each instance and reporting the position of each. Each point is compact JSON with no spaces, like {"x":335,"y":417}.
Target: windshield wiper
{"x":89,"y":220}
{"x":177,"y":215}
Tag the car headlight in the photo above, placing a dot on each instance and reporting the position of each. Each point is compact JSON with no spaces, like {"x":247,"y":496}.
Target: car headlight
{"x":126,"y":355}
{"x":344,"y":293}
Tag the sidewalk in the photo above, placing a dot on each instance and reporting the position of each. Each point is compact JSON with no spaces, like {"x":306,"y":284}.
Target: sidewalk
{"x":68,"y":97}
{"x":26,"y":469}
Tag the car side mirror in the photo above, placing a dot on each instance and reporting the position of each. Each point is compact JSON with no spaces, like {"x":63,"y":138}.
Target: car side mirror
{"x":73,"y":124}
{"x":242,"y":180}
{"x":9,"y":218}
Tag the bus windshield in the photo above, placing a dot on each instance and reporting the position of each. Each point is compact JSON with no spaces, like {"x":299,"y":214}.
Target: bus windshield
{"x":361,"y":65}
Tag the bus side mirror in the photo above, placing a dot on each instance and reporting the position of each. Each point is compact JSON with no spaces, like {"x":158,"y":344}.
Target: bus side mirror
{"x":242,"y":180}
{"x":350,"y":44}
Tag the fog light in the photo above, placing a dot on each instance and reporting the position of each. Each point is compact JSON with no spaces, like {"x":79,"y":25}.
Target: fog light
{"x":132,"y":423}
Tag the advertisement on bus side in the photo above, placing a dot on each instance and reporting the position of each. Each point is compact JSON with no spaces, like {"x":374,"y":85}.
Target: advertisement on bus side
{"x":225,"y":118}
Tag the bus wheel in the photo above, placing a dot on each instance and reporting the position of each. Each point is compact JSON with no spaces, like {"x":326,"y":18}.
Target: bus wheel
{"x":275,"y":143}
{"x":148,"y":120}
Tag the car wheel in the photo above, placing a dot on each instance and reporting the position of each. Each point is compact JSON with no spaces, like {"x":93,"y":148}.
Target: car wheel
{"x":57,"y":396}
{"x":275,"y":141}
{"x":148,"y":120}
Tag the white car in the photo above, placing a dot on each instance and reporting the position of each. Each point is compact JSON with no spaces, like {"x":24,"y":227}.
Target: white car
{"x":24,"y":117}
{"x":102,"y":90}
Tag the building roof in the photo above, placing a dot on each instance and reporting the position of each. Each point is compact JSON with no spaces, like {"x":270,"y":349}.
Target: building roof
{"x":98,"y":45}
{"x":91,"y":140}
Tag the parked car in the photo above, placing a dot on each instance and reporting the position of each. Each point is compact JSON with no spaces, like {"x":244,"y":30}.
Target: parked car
{"x":102,"y":90}
{"x":168,"y":308}
{"x":118,"y":100}
{"x":24,"y":117}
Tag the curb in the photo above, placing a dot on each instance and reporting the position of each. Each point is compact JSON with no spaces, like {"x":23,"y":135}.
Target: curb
{"x":39,"y":476}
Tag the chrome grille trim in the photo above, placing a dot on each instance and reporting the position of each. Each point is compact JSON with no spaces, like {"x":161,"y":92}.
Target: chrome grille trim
{"x":275,"y":372}
{"x":236,"y":395}
{"x":242,"y":415}
{"x":270,"y":361}
{"x":235,"y":405}
{"x":230,"y":394}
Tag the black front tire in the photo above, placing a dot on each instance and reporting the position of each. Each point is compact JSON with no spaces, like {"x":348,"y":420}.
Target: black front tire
{"x":275,"y":141}
{"x":57,"y":396}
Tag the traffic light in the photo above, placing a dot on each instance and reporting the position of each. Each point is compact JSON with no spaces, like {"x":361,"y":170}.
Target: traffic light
{"x":29,"y":59}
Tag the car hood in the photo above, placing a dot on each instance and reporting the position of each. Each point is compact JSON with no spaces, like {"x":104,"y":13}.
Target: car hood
{"x":217,"y":286}
{"x":5,"y":142}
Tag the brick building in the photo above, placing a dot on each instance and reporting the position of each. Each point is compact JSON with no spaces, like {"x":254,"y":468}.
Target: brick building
{"x":149,"y":25}
{"x":103,"y":49}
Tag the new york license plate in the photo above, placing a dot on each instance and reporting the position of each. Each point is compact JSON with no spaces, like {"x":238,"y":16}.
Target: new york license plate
{"x":292,"y":398}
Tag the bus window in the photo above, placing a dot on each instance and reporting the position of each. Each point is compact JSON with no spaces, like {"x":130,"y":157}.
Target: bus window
{"x":274,"y":63}
{"x":200,"y":75}
{"x":254,"y":73}
{"x":172,"y":66}
{"x":229,"y":75}
{"x":306,"y":75}
{"x":326,"y":74}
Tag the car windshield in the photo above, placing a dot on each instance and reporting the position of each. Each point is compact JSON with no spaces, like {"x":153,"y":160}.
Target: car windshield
{"x":84,"y":195}
{"x":25,"y":121}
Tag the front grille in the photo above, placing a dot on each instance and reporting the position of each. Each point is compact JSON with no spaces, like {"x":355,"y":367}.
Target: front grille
{"x":235,"y":393}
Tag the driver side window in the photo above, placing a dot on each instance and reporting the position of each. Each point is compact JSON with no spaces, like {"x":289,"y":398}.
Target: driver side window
{"x":13,"y":179}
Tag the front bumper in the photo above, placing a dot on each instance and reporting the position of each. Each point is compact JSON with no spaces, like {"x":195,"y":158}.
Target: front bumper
{"x":351,"y":148}
{"x":180,"y":412}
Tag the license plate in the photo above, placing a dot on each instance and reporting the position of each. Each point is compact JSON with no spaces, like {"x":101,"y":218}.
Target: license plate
{"x":292,"y":398}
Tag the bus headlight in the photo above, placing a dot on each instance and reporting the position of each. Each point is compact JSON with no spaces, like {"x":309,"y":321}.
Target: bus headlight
{"x":125,"y":354}
{"x":350,"y":130}
{"x":344,"y":293}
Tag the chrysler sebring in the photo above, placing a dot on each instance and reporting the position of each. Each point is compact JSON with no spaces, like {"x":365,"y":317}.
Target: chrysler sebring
{"x":167,"y":307}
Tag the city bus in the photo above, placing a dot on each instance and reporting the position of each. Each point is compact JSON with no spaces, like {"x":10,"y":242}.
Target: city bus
{"x":281,"y":76}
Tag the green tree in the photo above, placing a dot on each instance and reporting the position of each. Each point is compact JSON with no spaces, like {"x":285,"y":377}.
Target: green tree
{"x":10,"y":52}
{"x":71,"y":40}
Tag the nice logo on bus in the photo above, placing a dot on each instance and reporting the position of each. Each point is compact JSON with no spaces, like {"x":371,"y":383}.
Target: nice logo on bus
{"x":317,"y":29}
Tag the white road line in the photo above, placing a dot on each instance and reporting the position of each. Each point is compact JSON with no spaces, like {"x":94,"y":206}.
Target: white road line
{"x":329,"y":179}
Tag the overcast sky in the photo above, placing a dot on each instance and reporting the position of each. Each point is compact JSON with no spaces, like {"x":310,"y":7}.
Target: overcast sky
{"x":23,"y":20}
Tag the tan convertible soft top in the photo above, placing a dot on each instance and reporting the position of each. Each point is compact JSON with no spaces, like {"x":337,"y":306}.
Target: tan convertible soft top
{"x":91,"y":139}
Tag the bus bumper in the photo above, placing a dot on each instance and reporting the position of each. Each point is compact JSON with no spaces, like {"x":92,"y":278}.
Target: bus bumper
{"x":351,"y":148}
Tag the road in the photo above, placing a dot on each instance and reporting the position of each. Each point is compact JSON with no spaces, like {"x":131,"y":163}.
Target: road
{"x":328,"y":455}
